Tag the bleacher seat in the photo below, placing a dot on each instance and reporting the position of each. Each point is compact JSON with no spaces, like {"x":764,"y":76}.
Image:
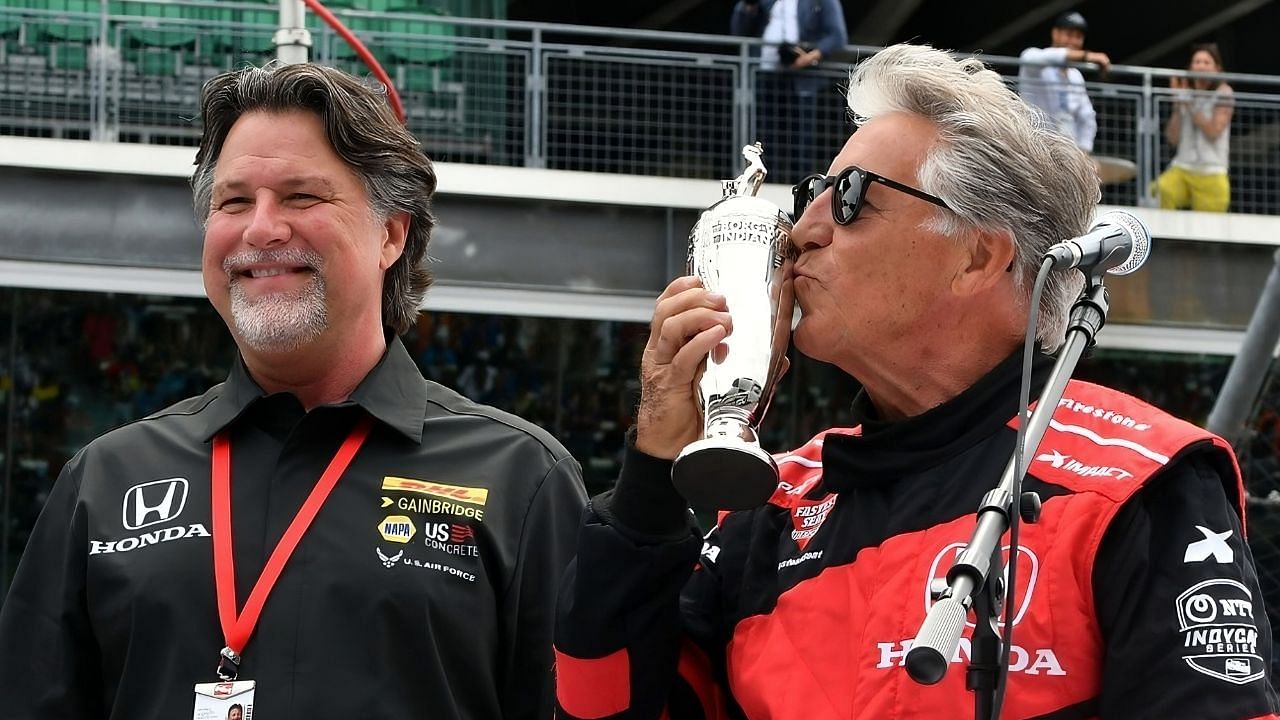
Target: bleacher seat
{"x":155,"y":26}
{"x":82,"y":27}
{"x":237,"y":36}
{"x":367,"y":28}
{"x":420,"y":43}
{"x":69,"y":56}
{"x":11,"y":22}
{"x":420,"y":39}
{"x":64,"y":38}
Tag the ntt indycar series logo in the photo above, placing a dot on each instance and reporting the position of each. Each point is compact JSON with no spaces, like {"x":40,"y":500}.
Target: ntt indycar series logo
{"x":1219,"y":633}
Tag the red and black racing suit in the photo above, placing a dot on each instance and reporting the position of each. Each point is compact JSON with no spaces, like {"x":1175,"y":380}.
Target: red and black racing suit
{"x":1137,"y":595}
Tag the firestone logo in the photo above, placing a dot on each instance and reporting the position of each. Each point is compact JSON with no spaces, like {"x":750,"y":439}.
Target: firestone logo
{"x":1103,"y":414}
{"x":1065,"y":462}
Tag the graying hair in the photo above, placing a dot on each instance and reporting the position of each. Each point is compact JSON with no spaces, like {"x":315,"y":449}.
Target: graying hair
{"x":999,"y":163}
{"x":359,"y":124}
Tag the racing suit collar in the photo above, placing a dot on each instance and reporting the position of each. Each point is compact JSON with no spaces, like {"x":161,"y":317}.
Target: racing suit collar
{"x":887,"y":450}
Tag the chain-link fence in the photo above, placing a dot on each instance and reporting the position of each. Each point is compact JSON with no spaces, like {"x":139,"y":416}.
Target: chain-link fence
{"x":514,"y":93}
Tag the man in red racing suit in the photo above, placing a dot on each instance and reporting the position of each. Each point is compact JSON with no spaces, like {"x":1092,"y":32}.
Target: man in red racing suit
{"x":1136,"y":593}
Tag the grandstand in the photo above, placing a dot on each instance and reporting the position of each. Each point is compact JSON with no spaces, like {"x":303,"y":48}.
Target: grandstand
{"x":572,"y":162}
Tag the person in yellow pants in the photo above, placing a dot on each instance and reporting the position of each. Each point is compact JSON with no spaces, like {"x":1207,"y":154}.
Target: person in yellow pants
{"x":1200,"y":128}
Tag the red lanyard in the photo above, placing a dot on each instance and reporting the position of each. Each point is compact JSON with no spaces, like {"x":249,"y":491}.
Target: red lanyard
{"x":237,"y":629}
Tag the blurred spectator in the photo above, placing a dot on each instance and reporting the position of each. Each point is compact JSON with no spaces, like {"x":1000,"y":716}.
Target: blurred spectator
{"x":1044,"y":80}
{"x":1200,"y":128}
{"x":798,"y":36}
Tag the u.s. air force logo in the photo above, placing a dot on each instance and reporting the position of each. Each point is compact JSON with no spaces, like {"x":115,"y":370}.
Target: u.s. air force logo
{"x":430,"y":498}
{"x":1219,"y":633}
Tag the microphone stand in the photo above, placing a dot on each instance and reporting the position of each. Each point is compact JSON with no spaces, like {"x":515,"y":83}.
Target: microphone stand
{"x":970,"y":582}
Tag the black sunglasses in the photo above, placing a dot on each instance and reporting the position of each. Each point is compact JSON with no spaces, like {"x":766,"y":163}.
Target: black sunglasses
{"x":850,"y":190}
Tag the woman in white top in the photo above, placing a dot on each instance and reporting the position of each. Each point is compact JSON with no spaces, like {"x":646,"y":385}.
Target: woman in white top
{"x":1200,"y":129}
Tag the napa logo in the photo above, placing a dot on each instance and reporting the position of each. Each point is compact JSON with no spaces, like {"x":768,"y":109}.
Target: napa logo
{"x":397,"y":529}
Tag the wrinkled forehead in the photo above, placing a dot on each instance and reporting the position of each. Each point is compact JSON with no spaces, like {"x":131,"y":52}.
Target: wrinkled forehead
{"x":894,"y":145}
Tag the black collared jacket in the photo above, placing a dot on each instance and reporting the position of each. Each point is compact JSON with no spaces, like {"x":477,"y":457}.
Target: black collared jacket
{"x":424,"y":588}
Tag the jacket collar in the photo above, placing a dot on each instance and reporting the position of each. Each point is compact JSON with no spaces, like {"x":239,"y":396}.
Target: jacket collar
{"x":394,"y":392}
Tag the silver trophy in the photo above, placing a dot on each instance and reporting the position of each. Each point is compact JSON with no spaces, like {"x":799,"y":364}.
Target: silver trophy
{"x":740,"y":248}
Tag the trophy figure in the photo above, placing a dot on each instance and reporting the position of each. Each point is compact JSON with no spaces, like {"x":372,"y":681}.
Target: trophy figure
{"x":740,"y":248}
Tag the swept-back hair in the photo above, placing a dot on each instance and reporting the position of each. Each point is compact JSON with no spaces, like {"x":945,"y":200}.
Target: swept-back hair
{"x":998,"y":163}
{"x":359,"y":124}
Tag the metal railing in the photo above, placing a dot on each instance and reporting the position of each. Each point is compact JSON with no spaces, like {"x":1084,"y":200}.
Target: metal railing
{"x":538,"y":95}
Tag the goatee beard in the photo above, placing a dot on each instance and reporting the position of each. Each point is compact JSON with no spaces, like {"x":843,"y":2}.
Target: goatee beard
{"x":283,"y":321}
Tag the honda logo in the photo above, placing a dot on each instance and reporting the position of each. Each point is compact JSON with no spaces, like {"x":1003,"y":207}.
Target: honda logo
{"x":1027,"y":575}
{"x":154,"y":502}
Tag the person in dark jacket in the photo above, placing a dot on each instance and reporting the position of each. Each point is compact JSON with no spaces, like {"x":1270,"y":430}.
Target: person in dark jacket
{"x":325,"y":534}
{"x":798,"y":35}
{"x":916,"y":252}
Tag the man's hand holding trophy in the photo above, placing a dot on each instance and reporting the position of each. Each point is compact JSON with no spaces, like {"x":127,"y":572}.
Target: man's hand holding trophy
{"x":740,"y":249}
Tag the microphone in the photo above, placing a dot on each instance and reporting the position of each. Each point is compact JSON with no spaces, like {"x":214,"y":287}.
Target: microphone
{"x":1118,"y":243}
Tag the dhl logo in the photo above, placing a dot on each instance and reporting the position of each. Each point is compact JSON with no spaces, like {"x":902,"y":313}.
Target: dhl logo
{"x":476,"y":496}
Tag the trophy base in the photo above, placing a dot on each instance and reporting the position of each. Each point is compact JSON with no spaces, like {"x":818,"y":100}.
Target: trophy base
{"x":724,"y":474}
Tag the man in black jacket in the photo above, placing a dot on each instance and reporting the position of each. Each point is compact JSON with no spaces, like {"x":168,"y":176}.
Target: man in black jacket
{"x":326,"y":534}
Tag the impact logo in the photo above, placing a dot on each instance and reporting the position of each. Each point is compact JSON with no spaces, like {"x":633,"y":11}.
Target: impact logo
{"x":451,"y":539}
{"x":151,"y":503}
{"x":1219,"y":633}
{"x":389,"y":562}
{"x":397,"y":529}
{"x":1065,"y":462}
{"x":1028,"y":572}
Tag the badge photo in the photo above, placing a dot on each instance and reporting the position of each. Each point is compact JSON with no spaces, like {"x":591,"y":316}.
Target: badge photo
{"x":224,"y":701}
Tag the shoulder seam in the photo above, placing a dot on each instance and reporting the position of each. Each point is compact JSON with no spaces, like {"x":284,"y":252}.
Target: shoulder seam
{"x":556,"y":459}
